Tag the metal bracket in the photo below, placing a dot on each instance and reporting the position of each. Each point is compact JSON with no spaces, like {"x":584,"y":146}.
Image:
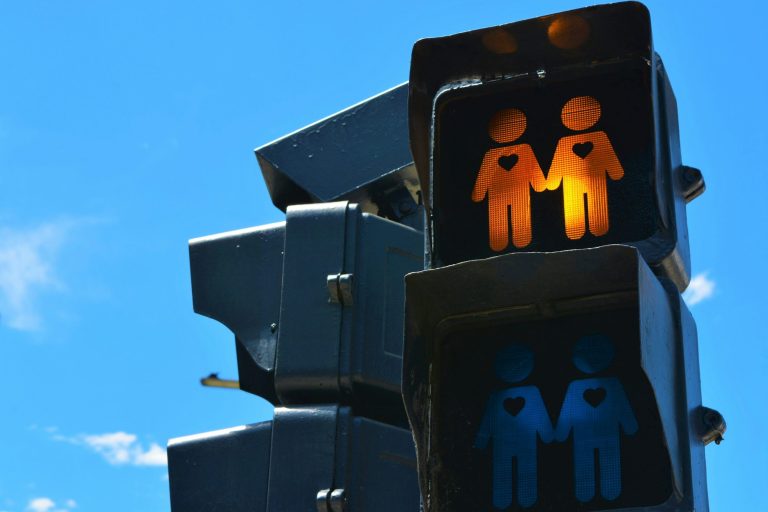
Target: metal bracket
{"x":714,"y":426}
{"x":340,"y":288}
{"x":693,"y":183}
{"x":402,"y":205}
{"x":331,"y":500}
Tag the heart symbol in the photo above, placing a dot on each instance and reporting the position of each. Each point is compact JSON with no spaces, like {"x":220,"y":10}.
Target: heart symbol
{"x":594,"y":397}
{"x":508,"y":162}
{"x":583,"y":149}
{"x":514,"y":405}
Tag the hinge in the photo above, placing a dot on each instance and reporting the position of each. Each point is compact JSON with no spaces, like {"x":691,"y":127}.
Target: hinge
{"x":340,"y":288}
{"x":331,"y":500}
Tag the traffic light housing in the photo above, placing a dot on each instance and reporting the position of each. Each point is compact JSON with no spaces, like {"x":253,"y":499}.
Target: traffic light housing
{"x":551,"y":134}
{"x":316,"y":306}
{"x":319,"y":457}
{"x":551,"y":337}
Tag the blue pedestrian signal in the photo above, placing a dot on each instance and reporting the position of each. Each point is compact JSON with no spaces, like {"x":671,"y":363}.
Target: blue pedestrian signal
{"x":513,"y":419}
{"x":553,"y":425}
{"x":593,"y":411}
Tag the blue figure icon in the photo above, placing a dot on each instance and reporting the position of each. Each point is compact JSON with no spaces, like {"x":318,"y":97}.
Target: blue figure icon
{"x":593,"y":410}
{"x":512,"y":420}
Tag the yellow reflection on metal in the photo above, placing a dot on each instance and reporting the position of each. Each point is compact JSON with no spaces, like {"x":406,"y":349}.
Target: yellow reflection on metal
{"x":580,"y":164}
{"x":505,"y":177}
{"x":568,"y":31}
{"x":500,"y":41}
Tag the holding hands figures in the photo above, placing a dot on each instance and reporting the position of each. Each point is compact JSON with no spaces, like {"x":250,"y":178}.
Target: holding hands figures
{"x":594,"y":412}
{"x":580,"y":164}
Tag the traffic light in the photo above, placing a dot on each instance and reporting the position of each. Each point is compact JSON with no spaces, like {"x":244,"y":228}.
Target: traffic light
{"x":550,"y":362}
{"x":316,"y":306}
{"x":551,"y":134}
{"x":559,"y":381}
{"x":322,"y":458}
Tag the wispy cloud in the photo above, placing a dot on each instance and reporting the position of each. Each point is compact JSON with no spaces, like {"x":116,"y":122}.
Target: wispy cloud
{"x":27,"y":260}
{"x":43,"y":504}
{"x":117,"y":448}
{"x":701,"y":288}
{"x":40,"y":504}
{"x":120,"y":448}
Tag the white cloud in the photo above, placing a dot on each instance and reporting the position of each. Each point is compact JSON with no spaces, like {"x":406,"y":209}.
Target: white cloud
{"x":40,"y":505}
{"x":119,"y":448}
{"x":154,"y":456}
{"x":701,"y":288}
{"x":114,"y":447}
{"x":43,"y":504}
{"x":26,"y":269}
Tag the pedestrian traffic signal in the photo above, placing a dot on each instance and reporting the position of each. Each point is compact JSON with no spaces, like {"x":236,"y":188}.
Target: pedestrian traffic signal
{"x":561,"y":381}
{"x":550,"y":134}
{"x":316,"y":307}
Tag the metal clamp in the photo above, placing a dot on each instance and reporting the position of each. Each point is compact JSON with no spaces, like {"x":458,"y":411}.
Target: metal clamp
{"x":331,"y":500}
{"x":340,"y":288}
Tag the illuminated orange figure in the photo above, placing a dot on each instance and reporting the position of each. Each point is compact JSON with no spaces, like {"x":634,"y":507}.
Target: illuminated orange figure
{"x":581,"y":162}
{"x":506,"y":176}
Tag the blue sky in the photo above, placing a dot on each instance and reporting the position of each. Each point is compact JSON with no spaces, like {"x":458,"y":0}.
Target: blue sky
{"x":127,"y":128}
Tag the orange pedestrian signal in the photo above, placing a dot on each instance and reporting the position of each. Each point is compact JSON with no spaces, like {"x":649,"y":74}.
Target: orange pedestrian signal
{"x":580,"y":165}
{"x":506,"y":175}
{"x":550,"y":134}
{"x":509,"y":172}
{"x":567,"y":165}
